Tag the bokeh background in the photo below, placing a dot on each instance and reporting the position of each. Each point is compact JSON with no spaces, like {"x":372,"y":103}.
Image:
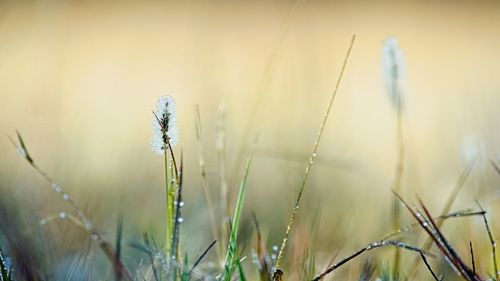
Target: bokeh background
{"x":79,"y":80}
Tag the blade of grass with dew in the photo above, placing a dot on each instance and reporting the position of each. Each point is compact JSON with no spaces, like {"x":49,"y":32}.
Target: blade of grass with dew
{"x":453,"y":215}
{"x":430,"y":226}
{"x":369,"y":247}
{"x":468,"y":273}
{"x":424,"y":223}
{"x":446,"y":209}
{"x":231,"y":253}
{"x":312,"y":157}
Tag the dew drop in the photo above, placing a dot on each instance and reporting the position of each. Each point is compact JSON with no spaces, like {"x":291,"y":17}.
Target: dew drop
{"x":57,"y":188}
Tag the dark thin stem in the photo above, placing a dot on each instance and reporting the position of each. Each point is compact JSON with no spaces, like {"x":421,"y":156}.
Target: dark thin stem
{"x":424,"y":222}
{"x":198,"y":260}
{"x":429,"y":267}
{"x":370,"y":247}
{"x":473,"y":262}
{"x":453,"y":254}
{"x":118,"y":247}
{"x":446,"y":209}
{"x":492,"y":241}
{"x":457,"y":214}
{"x":151,"y":257}
{"x":339,"y":264}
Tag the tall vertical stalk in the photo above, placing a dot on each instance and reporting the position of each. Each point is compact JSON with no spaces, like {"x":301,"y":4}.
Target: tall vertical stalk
{"x":204,"y":180}
{"x":169,"y":207}
{"x":393,"y":69}
{"x":396,"y":209}
{"x":295,"y":209}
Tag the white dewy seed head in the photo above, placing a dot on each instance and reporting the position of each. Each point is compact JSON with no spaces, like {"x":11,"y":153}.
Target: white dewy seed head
{"x":164,"y":125}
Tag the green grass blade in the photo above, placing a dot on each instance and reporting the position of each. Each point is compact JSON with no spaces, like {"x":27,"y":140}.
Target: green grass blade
{"x":185,"y":271}
{"x":231,"y":249}
{"x":241,"y":273}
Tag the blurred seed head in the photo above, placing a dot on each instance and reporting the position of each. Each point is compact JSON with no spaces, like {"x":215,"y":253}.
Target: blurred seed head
{"x":393,"y":69}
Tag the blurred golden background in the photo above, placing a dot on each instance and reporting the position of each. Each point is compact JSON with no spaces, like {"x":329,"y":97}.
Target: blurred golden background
{"x":79,"y":80}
